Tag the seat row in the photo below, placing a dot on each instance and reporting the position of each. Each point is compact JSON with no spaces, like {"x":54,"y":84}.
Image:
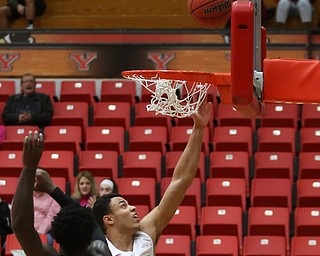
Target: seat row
{"x":68,"y":133}
{"x":207,"y":245}
{"x":121,"y":90}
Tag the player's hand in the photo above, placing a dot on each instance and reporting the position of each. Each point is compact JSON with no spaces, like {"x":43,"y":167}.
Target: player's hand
{"x":43,"y":182}
{"x":202,"y":117}
{"x":32,"y":150}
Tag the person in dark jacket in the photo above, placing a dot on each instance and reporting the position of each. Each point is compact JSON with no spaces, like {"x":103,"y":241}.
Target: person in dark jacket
{"x":28,"y":107}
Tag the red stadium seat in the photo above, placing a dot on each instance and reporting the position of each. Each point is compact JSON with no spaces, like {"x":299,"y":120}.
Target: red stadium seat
{"x":120,"y":90}
{"x":112,"y":114}
{"x":280,"y":115}
{"x":267,"y":192}
{"x":15,"y":135}
{"x":143,"y":117}
{"x":71,"y":113}
{"x":60,"y":182}
{"x":47,"y":87}
{"x":236,"y":138}
{"x":7,"y":88}
{"x":230,"y":164}
{"x":305,"y":245}
{"x":192,"y":196}
{"x":10,"y":164}
{"x":78,"y":91}
{"x":173,"y":245}
{"x":308,"y":193}
{"x":105,"y":138}
{"x":309,"y":165}
{"x":217,"y":245}
{"x":142,"y":164}
{"x":148,"y":138}
{"x":264,"y":246}
{"x":138,"y":191}
{"x":226,"y":192}
{"x":222,"y":221}
{"x":180,"y":136}
{"x":277,"y":139}
{"x":172,"y":159}
{"x":307,"y":221}
{"x":183,"y":222}
{"x":274,"y":165}
{"x":310,"y":115}
{"x":99,"y":163}
{"x":63,"y":138}
{"x":58,"y":164}
{"x":8,"y":187}
{"x":310,"y":139}
{"x":12,"y":243}
{"x":229,"y":116}
{"x":270,"y":221}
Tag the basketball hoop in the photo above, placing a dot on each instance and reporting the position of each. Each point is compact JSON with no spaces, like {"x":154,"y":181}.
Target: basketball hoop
{"x":164,"y":85}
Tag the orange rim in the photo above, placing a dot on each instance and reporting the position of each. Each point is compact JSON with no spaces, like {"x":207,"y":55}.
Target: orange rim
{"x":191,"y":76}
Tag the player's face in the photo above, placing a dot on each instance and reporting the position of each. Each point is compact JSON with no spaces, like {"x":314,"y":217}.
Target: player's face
{"x":84,"y":186}
{"x":124,"y":215}
{"x":28,"y":85}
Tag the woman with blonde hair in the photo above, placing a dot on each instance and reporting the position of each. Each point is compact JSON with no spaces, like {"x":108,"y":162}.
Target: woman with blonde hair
{"x":85,"y":188}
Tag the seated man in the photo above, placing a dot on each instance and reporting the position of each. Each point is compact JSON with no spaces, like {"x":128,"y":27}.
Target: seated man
{"x":28,"y":107}
{"x":17,"y":8}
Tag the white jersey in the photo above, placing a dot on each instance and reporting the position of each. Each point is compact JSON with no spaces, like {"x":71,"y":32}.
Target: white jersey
{"x":142,"y":246}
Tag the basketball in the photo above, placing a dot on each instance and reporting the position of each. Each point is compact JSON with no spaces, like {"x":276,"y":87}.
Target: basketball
{"x":210,"y":13}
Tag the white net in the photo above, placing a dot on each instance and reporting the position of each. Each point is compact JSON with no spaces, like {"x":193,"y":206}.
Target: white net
{"x":165,"y":100}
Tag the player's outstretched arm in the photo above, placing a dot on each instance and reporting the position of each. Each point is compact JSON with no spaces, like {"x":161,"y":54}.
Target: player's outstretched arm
{"x":22,"y":206}
{"x":183,"y":176}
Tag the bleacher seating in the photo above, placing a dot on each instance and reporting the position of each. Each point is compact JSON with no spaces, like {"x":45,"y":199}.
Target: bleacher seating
{"x":275,"y":187}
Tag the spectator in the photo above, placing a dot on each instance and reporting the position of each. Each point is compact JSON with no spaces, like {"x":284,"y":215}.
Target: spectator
{"x":72,"y":227}
{"x":18,"y":8}
{"x":5,"y":222}
{"x":45,"y":209}
{"x":107,"y":186}
{"x":289,"y":8}
{"x":28,"y":107}
{"x":85,"y":188}
{"x":125,"y":233}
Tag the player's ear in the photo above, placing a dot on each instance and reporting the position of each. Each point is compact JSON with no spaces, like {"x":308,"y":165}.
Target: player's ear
{"x":108,"y":219}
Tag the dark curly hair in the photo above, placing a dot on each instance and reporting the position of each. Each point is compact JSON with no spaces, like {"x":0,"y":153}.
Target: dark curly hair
{"x":102,"y":207}
{"x":73,"y":227}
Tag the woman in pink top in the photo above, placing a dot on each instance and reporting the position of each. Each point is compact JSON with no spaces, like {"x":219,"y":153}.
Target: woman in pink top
{"x":45,"y":209}
{"x":85,"y":188}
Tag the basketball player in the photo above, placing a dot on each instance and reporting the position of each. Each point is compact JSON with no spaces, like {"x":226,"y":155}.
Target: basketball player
{"x":73,"y":226}
{"x":125,"y":233}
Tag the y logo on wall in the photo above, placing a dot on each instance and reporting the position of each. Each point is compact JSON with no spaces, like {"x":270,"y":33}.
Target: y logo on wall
{"x":7,"y":59}
{"x":83,"y":60}
{"x":160,"y":59}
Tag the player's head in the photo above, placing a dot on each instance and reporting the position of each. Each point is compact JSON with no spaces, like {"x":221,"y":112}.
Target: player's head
{"x":73,"y":227}
{"x":112,"y":210}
